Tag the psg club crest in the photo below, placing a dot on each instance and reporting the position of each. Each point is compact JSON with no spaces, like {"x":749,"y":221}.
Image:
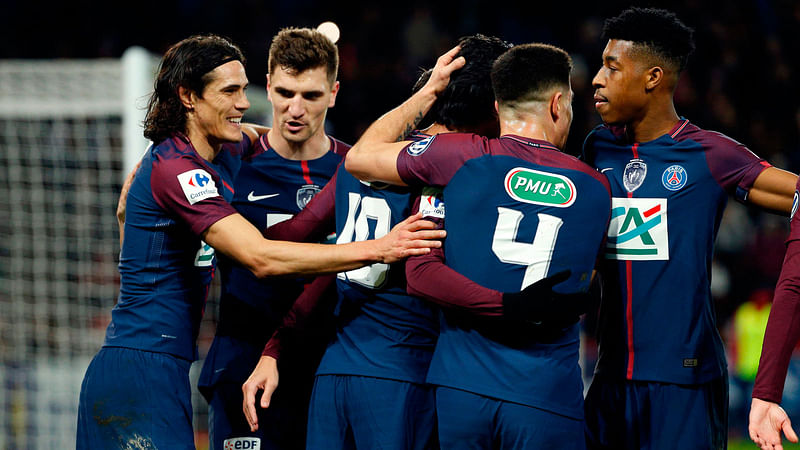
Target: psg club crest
{"x":634,"y":174}
{"x":305,"y":194}
{"x":674,"y":178}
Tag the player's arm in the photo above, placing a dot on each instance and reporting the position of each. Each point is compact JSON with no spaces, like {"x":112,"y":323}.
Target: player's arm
{"x":374,"y":156}
{"x":237,"y":238}
{"x":123,"y":201}
{"x":253,"y":131}
{"x":265,"y":375}
{"x":773,"y":190}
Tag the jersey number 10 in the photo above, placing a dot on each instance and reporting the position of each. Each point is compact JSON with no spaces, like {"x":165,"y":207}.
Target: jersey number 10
{"x":357,"y":229}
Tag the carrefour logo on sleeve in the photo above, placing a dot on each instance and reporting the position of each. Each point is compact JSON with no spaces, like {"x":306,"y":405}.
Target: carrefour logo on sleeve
{"x":540,"y":188}
{"x":431,"y":204}
{"x":197,"y":185}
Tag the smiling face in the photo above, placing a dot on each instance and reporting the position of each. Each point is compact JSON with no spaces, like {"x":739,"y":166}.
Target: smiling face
{"x":217,"y":115}
{"x":300,"y":102}
{"x":620,"y":84}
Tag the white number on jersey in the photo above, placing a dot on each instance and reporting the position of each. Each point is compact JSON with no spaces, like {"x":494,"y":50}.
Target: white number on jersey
{"x":537,"y":255}
{"x":356,"y":228}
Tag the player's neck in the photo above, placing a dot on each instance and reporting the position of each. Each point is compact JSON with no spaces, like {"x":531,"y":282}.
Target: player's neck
{"x":531,"y":129}
{"x":436,"y":128}
{"x":655,"y":123}
{"x":202,"y":146}
{"x":312,"y":148}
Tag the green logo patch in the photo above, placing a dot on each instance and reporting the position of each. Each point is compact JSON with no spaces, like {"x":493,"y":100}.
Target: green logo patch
{"x":540,"y":188}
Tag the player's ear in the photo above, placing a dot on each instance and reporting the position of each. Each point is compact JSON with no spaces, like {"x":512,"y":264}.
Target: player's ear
{"x":186,"y":96}
{"x":496,"y":107}
{"x":653,"y":77}
{"x":555,"y":105}
{"x":334,"y":91}
{"x":269,"y":96}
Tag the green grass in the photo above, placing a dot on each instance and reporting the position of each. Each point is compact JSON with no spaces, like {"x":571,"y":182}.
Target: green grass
{"x":747,"y":444}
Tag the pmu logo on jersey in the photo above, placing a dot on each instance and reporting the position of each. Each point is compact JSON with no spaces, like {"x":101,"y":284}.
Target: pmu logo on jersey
{"x":540,"y":188}
{"x":419,"y":147}
{"x":305,"y":194}
{"x":638,"y":229}
{"x":431,"y":203}
{"x":674,"y":177}
{"x":197,"y":185}
{"x":242,"y":443}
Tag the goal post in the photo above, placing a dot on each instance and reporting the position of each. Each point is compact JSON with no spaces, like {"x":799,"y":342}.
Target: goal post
{"x":70,"y":130}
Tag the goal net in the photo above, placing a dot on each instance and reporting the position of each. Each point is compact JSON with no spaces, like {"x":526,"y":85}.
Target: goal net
{"x":69,"y":132}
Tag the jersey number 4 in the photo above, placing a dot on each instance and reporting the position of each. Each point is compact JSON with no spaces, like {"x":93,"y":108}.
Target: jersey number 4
{"x":356,"y":228}
{"x":537,"y":255}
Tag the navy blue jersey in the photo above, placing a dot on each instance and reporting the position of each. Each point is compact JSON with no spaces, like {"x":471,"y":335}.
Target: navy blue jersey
{"x":165,"y":268}
{"x":517,"y":210}
{"x":271,"y":189}
{"x":657,"y":320}
{"x":382,"y":331}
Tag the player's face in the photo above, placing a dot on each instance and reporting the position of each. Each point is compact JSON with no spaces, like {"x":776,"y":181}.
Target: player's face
{"x":619,"y":85}
{"x":218,"y":114}
{"x":300,"y":102}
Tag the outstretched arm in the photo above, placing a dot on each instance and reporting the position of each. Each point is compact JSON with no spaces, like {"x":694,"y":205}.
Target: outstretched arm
{"x":237,"y":238}
{"x":773,"y":190}
{"x":374,"y":156}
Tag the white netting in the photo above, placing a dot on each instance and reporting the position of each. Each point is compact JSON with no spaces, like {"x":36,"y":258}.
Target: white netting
{"x":61,"y":167}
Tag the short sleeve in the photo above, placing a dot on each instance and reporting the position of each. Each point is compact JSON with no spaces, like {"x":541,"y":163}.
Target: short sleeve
{"x":434,"y":160}
{"x":189,"y":192}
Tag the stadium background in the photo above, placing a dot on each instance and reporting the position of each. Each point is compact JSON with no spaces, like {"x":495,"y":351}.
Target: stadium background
{"x":56,"y":290}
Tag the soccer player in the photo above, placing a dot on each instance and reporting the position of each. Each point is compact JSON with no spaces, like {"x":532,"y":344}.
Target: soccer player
{"x":289,"y":165}
{"x":661,"y":378}
{"x":136,"y":390}
{"x":517,"y":210}
{"x":370,"y":389}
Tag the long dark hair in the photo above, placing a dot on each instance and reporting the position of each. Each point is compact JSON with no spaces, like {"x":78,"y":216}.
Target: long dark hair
{"x":186,"y":64}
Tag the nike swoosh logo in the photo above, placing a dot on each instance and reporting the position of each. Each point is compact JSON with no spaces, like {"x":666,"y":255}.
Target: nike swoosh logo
{"x":255,"y":198}
{"x":606,"y":169}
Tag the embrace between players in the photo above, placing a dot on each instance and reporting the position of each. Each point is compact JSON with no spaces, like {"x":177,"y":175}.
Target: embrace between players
{"x":469,"y":342}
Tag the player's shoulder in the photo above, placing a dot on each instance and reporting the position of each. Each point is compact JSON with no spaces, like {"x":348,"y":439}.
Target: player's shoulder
{"x":175,"y":155}
{"x":706,"y":138}
{"x":454,"y":143}
{"x":339,"y":147}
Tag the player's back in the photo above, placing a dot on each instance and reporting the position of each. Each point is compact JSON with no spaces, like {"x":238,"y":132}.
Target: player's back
{"x":517,"y":210}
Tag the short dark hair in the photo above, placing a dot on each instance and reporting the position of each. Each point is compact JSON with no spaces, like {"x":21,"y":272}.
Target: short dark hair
{"x":301,"y":49}
{"x":468,"y":100}
{"x":187,"y":63}
{"x":657,"y":31}
{"x":527,"y":72}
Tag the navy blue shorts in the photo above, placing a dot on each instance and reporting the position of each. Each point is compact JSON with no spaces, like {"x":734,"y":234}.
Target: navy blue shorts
{"x":471,"y":421}
{"x":349,"y":412}
{"x":622,"y":415}
{"x":135,"y":399}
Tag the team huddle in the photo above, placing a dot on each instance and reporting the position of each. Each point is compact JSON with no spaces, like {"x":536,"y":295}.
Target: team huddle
{"x":446,"y":313}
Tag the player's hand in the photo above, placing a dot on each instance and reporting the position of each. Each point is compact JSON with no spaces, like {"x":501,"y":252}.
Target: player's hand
{"x":767,"y":420}
{"x":538,"y":304}
{"x":410,"y":237}
{"x":264,"y":376}
{"x":445,"y":65}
